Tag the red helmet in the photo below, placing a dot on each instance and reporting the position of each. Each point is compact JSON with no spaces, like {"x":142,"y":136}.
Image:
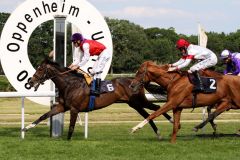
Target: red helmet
{"x":182,"y":43}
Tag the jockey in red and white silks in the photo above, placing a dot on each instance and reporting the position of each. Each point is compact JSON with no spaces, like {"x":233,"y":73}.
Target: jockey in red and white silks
{"x":194,"y":52}
{"x":89,"y":48}
{"x":191,"y":52}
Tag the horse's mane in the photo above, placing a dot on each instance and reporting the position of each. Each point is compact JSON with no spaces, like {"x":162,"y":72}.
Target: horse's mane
{"x":163,"y":67}
{"x":56,"y":65}
{"x":207,"y":72}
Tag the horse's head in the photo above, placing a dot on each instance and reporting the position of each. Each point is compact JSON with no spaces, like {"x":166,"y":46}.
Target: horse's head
{"x":43,"y":73}
{"x":151,"y":72}
{"x":141,"y":77}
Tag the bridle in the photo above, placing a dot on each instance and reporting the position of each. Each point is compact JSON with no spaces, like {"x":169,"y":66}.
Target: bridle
{"x":141,"y":82}
{"x":46,"y":76}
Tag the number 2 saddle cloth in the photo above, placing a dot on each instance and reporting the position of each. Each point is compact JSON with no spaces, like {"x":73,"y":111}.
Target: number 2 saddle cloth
{"x":209,"y":83}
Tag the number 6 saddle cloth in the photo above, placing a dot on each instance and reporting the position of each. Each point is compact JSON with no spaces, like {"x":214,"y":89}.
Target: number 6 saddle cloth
{"x":106,"y":86}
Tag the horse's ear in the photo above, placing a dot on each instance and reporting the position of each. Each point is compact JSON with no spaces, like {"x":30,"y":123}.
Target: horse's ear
{"x":51,"y":54}
{"x":46,"y":59}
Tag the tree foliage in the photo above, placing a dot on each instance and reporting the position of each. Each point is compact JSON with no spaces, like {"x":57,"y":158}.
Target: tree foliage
{"x":132,"y":44}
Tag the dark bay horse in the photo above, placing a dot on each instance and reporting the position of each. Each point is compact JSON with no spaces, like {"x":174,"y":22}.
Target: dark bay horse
{"x":74,"y":94}
{"x":179,"y":92}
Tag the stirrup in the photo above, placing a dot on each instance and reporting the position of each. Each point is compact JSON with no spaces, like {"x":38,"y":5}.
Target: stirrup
{"x":198,"y":89}
{"x":94,"y":93}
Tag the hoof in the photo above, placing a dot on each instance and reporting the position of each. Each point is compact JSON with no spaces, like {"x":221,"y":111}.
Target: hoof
{"x":159,"y":137}
{"x":133,"y":131}
{"x":214,"y":134}
{"x":173,"y":141}
{"x":24,"y":129}
{"x":238,"y":133}
{"x":195,"y":129}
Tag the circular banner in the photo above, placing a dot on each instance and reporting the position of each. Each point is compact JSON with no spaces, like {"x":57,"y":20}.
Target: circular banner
{"x":26,"y":18}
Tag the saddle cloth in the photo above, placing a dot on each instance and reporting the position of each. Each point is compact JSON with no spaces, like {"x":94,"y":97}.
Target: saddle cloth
{"x":106,"y":86}
{"x":209,"y":83}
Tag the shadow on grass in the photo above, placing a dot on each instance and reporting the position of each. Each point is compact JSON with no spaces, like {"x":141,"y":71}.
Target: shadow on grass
{"x":16,"y":132}
{"x":218,"y":135}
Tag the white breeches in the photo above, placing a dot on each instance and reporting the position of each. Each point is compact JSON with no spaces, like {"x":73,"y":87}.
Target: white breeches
{"x":99,"y":65}
{"x":209,"y":62}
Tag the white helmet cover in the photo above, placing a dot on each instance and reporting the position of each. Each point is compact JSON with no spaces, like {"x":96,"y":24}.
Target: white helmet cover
{"x":225,"y":54}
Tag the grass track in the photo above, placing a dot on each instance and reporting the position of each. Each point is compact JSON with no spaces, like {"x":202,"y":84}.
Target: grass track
{"x":113,"y":141}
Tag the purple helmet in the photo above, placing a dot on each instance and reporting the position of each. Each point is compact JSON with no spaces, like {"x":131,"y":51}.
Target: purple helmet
{"x":77,"y":37}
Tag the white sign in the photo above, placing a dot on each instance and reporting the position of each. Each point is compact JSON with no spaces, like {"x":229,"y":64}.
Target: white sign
{"x":26,"y":18}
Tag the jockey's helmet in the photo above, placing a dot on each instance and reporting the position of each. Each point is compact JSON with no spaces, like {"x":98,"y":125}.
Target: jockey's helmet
{"x":182,"y":43}
{"x":77,"y":37}
{"x":225,"y":54}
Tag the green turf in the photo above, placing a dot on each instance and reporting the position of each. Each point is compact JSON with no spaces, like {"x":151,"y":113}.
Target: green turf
{"x":113,"y":142}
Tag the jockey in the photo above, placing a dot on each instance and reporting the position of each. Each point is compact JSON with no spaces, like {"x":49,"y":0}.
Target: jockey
{"x":89,"y":48}
{"x":206,"y":58}
{"x":232,"y":61}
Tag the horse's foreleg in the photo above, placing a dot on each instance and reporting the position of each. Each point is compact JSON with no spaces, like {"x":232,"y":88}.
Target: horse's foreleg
{"x":57,"y":108}
{"x":221,"y":108}
{"x":155,"y":108}
{"x":176,"y":114}
{"x":166,"y":107}
{"x":143,"y":113}
{"x":73,"y":118}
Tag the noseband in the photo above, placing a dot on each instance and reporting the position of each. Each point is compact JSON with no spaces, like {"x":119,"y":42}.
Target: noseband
{"x":141,"y":82}
{"x":45,"y":77}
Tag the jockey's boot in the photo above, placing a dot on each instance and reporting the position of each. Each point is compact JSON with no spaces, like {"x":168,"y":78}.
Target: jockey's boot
{"x":96,"y":91}
{"x":199,"y":87}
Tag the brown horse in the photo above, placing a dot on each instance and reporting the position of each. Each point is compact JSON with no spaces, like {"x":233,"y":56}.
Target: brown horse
{"x":74,"y":94}
{"x":179,"y":92}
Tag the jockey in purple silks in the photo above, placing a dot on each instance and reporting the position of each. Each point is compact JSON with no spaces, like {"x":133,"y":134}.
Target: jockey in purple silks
{"x":232,"y":61}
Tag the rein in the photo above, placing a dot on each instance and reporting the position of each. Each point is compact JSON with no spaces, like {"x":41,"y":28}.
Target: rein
{"x":66,"y":72}
{"x":142,"y":79}
{"x":171,"y":79}
{"x":166,"y":75}
{"x":41,"y":80}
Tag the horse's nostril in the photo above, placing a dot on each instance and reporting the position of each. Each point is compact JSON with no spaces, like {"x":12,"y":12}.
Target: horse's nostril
{"x":30,"y":83}
{"x":130,"y":86}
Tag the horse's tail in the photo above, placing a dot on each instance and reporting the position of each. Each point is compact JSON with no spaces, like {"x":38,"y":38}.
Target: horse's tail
{"x":155,"y":89}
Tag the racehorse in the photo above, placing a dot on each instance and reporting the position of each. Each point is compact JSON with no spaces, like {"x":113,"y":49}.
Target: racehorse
{"x":179,"y":93}
{"x":74,"y":94}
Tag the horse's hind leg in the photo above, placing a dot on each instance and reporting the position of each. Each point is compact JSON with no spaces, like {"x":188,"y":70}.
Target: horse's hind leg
{"x":73,"y":118}
{"x":57,"y":108}
{"x":221,"y":108}
{"x":214,"y":126}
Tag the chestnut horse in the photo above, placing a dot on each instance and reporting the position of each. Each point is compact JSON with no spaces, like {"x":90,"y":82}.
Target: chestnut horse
{"x":74,"y":94}
{"x":179,"y":93}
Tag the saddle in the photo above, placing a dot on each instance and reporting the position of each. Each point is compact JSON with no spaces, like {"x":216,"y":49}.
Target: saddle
{"x":209,"y":83}
{"x":87,"y":77}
